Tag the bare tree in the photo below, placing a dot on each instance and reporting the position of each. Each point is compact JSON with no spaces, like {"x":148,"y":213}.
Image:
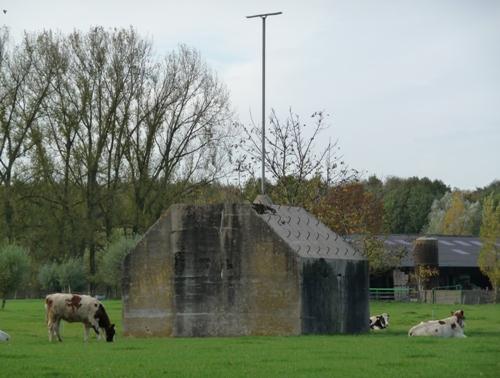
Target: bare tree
{"x":178,"y":133}
{"x":293,"y":157}
{"x":85,"y":132}
{"x":23,"y":89}
{"x":94,"y":119}
{"x":103,"y":76}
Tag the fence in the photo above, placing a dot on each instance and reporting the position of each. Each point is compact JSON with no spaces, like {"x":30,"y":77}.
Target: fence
{"x":457,"y":296}
{"x":442,"y":295}
{"x":404,"y":294}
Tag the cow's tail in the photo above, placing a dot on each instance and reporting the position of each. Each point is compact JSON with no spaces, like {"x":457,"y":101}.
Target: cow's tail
{"x":48,"y":305}
{"x":410,"y":332}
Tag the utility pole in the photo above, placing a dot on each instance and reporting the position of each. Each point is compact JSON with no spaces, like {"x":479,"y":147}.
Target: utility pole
{"x":263,"y":17}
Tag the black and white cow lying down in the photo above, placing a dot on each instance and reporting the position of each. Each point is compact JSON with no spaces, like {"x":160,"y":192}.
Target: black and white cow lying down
{"x":448,"y":327}
{"x":379,"y":321}
{"x":77,"y":308}
{"x":4,"y":336}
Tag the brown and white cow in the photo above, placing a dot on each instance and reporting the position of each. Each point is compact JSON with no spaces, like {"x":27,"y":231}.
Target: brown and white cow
{"x":449,"y":327}
{"x":77,"y":308}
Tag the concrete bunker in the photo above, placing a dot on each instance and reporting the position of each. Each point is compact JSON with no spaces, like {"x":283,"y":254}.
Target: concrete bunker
{"x":242,"y":269}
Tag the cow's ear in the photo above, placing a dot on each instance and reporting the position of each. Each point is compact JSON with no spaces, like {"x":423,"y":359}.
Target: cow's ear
{"x":112,"y":326}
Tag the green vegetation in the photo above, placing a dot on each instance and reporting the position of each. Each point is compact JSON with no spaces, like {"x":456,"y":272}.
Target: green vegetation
{"x":407,"y":203}
{"x":14,"y":267}
{"x":388,"y":353}
{"x":489,"y":257}
{"x":111,"y":264}
{"x":99,"y":136}
{"x":453,"y":214}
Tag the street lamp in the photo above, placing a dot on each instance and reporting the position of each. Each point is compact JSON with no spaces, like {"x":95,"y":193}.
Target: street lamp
{"x":263,"y":17}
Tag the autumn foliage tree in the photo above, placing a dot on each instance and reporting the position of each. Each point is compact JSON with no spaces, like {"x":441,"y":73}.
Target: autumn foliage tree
{"x":351,"y":210}
{"x":489,"y":256}
{"x":453,"y":214}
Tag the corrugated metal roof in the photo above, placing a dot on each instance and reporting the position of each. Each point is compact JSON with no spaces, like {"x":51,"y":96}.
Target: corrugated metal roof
{"x":454,"y":251}
{"x":307,"y":236}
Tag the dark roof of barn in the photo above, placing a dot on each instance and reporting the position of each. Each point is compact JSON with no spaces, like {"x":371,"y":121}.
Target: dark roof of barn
{"x":306,"y":235}
{"x":454,"y":251}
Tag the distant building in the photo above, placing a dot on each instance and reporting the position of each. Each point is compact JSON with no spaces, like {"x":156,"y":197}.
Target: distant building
{"x":458,"y":256}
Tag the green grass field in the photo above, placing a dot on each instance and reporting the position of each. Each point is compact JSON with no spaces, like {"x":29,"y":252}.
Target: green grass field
{"x":389,"y":353}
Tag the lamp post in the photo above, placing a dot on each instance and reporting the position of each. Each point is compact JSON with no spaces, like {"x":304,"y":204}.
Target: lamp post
{"x":263,"y":17}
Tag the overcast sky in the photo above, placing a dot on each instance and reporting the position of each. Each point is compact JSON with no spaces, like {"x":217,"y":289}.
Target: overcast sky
{"x":412,"y":87}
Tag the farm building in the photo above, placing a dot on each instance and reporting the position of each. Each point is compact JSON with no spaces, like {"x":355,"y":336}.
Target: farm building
{"x":243,"y":269}
{"x":457,"y":262}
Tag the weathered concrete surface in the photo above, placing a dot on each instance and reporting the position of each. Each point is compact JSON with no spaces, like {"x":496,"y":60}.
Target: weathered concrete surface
{"x":334,"y":296}
{"x":224,"y":270}
{"x":211,"y":271}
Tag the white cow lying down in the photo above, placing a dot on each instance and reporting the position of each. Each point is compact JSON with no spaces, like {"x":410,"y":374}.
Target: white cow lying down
{"x":449,"y":327}
{"x":4,"y":336}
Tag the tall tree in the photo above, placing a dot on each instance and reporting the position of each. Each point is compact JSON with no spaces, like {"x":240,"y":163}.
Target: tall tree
{"x":354,"y":211}
{"x":452,"y":214}
{"x":95,"y":134}
{"x":178,"y":134}
{"x":489,"y":256}
{"x":116,"y":133}
{"x":53,"y":190}
{"x":350,"y":209}
{"x":23,"y":88}
{"x":407,"y":203}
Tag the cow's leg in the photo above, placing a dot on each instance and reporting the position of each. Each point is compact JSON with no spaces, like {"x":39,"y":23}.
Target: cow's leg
{"x":86,"y":329}
{"x":95,"y":326}
{"x":50,"y":325}
{"x":57,"y":328}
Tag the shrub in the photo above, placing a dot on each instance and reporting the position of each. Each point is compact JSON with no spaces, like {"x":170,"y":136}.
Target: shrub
{"x":72,"y":275}
{"x":111,"y":267}
{"x":48,"y":277}
{"x":14,"y":268}
{"x":67,"y":276}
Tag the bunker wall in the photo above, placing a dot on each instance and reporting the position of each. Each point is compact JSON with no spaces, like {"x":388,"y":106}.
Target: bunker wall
{"x":211,"y":271}
{"x":334,"y":296}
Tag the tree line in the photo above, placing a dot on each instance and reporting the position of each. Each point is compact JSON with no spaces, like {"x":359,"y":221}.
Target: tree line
{"x":99,"y":135}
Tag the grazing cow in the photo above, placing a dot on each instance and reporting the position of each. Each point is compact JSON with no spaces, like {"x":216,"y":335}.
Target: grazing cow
{"x":449,"y":327}
{"x":4,"y":336}
{"x":379,"y":321}
{"x":77,"y":308}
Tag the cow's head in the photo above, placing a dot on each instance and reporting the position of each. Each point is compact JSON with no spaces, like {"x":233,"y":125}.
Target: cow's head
{"x":385,"y":317}
{"x":110,"y":333}
{"x":459,"y":314}
{"x":104,"y":322}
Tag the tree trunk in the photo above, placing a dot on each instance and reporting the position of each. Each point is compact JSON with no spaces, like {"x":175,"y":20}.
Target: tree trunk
{"x":139,"y":212}
{"x":93,"y":269}
{"x":8,"y":214}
